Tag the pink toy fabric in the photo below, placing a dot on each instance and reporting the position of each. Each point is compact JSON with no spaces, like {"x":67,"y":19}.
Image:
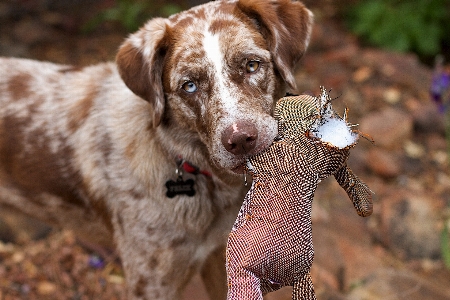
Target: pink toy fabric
{"x":270,"y":245}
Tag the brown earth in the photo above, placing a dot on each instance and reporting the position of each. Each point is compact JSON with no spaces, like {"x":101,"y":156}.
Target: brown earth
{"x":394,"y":254}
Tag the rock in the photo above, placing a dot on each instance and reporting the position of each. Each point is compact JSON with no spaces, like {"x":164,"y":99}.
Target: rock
{"x":409,"y":224}
{"x":357,"y":160}
{"x":415,"y":168}
{"x":414,"y":150}
{"x":46,"y":288}
{"x":392,"y":95}
{"x":30,"y":31}
{"x":440,"y":158}
{"x":427,"y":119}
{"x":436,"y":142}
{"x":383,"y":163}
{"x":389,"y":283}
{"x":13,"y":49}
{"x":389,"y":127}
{"x":362,"y":74}
{"x":401,"y":69}
{"x":21,"y":228}
{"x":4,"y":10}
{"x":6,"y":234}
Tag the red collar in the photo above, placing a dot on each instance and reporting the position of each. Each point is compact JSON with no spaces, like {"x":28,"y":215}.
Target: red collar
{"x":190,"y":168}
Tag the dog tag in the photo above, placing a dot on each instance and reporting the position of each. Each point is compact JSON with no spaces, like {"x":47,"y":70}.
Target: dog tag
{"x":180,"y":187}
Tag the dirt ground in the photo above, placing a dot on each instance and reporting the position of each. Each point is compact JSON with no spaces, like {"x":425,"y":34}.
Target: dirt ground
{"x":394,"y":254}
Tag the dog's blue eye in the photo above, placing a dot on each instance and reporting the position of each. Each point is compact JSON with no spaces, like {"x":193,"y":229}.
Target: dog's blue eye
{"x":189,"y":87}
{"x":252,"y":66}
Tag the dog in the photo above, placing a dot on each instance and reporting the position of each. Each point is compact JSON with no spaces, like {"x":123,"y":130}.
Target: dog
{"x":145,"y":153}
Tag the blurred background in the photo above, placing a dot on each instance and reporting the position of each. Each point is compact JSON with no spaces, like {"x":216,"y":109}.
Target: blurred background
{"x":387,"y":60}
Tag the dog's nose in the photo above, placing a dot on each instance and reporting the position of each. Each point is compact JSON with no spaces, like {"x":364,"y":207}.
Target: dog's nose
{"x":240,"y":138}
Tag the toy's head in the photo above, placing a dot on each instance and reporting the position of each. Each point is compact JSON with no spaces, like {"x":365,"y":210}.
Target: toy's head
{"x":315,"y":117}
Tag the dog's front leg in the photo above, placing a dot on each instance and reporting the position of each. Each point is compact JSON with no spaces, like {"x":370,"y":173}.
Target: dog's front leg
{"x":214,"y":274}
{"x":157,"y":262}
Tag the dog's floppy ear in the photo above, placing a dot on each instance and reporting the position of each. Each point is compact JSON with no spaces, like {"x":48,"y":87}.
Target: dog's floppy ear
{"x":286,"y":25}
{"x":140,"y":63}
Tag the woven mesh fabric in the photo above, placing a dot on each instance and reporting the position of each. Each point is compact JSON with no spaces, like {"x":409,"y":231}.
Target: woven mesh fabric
{"x":357,"y":191}
{"x":270,"y":245}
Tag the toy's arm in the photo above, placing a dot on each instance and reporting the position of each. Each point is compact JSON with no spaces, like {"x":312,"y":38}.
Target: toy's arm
{"x":357,"y":191}
{"x":303,"y":288}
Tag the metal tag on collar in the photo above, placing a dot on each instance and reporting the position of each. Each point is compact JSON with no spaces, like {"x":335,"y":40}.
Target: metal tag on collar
{"x":180,"y":186}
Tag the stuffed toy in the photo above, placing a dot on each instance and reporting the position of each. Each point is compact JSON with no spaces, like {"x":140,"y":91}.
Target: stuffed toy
{"x":270,"y":245}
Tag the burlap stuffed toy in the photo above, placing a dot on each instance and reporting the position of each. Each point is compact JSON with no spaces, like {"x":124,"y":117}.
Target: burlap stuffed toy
{"x":270,"y":245}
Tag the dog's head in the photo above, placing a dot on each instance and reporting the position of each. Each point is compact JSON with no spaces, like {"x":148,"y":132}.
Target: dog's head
{"x":216,"y":70}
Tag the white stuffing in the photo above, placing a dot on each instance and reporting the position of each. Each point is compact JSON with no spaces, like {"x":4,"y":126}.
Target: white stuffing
{"x":336,"y":132}
{"x":330,"y":127}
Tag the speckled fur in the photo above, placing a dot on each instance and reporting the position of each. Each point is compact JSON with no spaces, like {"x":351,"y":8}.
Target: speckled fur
{"x":79,"y":147}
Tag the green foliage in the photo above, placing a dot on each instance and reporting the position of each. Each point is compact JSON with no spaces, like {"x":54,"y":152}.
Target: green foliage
{"x":131,"y":14}
{"x":402,"y":25}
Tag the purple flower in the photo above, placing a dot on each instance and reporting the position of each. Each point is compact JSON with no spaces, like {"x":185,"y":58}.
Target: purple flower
{"x":440,"y":86}
{"x":96,"y":262}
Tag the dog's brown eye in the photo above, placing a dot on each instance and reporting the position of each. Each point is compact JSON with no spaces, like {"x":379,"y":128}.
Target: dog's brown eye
{"x":189,"y":87}
{"x":252,"y":66}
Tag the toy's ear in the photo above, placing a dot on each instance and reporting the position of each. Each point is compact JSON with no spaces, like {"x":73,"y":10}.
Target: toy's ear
{"x":286,"y":25}
{"x":140,"y":63}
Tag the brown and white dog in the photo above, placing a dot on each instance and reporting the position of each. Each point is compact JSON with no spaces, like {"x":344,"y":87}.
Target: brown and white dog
{"x":92,"y":148}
